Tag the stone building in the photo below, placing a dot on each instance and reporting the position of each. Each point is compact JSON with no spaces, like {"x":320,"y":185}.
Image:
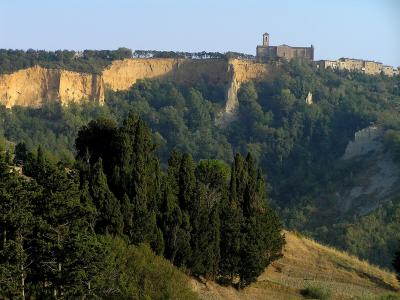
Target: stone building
{"x":358,"y":65}
{"x":388,"y":70}
{"x":266,"y":52}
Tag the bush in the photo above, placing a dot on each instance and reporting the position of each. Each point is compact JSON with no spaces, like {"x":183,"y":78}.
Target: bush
{"x":135,"y":272}
{"x":316,"y":291}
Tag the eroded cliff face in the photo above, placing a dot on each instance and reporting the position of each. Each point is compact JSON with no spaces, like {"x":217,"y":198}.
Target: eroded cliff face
{"x":34,"y":86}
{"x":76,"y":87}
{"x":242,"y":71}
{"x":121,"y":75}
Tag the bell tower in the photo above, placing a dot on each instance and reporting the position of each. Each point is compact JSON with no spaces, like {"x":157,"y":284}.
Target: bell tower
{"x":266,"y":40}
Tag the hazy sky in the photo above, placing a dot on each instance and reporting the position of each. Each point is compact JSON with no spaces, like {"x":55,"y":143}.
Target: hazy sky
{"x":368,"y":29}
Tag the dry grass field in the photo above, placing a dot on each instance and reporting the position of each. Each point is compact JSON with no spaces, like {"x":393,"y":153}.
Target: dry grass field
{"x":309,"y":270}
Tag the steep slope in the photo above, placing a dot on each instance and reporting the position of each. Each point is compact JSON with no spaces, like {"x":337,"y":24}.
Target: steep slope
{"x":307,"y":264}
{"x":371,"y":178}
{"x":379,"y":178}
{"x":34,"y":86}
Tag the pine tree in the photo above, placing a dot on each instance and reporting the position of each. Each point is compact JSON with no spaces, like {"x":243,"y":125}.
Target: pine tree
{"x":63,"y":220}
{"x":16,"y":229}
{"x":60,"y":223}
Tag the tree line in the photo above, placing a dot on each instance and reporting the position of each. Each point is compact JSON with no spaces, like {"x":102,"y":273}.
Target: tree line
{"x":88,"y":61}
{"x":93,"y":61}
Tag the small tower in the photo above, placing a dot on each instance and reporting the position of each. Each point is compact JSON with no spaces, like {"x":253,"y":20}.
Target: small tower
{"x":266,"y":40}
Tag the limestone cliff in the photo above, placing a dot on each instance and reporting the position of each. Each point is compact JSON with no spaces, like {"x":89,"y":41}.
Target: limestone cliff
{"x":34,"y":86}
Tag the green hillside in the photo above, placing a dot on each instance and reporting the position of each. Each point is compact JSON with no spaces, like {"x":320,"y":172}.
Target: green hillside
{"x":299,"y":147}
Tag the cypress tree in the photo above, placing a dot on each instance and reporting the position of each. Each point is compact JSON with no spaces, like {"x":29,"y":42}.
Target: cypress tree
{"x":175,"y":201}
{"x":251,"y":233}
{"x":211,"y":188}
{"x":187,"y":183}
{"x":262,"y":240}
{"x":396,"y":263}
{"x":205,"y":238}
{"x":109,"y":219}
{"x":231,"y":223}
{"x":136,"y":175}
{"x":21,"y":152}
{"x":171,"y":221}
{"x":98,"y":139}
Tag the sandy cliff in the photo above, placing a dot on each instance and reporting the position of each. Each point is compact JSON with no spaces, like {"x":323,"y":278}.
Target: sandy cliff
{"x":34,"y":86}
{"x":121,"y":75}
{"x":242,"y":71}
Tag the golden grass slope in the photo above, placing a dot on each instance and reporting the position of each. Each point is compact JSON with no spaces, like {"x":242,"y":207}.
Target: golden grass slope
{"x":309,"y":264}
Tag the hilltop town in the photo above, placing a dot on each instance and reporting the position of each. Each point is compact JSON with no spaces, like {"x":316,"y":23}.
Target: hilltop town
{"x":265,"y":53}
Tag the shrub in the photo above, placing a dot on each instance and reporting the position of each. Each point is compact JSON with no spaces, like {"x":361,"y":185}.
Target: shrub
{"x":135,"y":272}
{"x":316,"y":291}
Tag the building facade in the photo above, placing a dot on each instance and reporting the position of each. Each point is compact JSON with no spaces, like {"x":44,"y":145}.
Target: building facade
{"x":358,"y":65}
{"x":266,"y":52}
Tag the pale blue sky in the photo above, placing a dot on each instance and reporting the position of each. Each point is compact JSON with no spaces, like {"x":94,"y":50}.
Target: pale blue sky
{"x":368,"y":29}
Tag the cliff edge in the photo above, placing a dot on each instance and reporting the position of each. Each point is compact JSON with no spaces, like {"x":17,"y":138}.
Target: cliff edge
{"x":36,"y":86}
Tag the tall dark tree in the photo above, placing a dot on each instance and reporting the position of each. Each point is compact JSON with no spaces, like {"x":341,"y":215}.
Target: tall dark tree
{"x":171,"y":221}
{"x":21,"y":152}
{"x":262,"y":240}
{"x":64,"y":228}
{"x":186,"y":182}
{"x":211,"y":187}
{"x":46,"y":231}
{"x":205,"y":238}
{"x":396,"y":263}
{"x":137,"y":175}
{"x":176,"y":223}
{"x":251,"y":233}
{"x":131,"y":172}
{"x":97,"y":140}
{"x":231,"y":224}
{"x":16,"y":222}
{"x":109,"y":218}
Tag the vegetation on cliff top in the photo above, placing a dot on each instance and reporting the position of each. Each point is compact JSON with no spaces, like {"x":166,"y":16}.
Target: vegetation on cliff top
{"x":88,"y":61}
{"x":93,"y":61}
